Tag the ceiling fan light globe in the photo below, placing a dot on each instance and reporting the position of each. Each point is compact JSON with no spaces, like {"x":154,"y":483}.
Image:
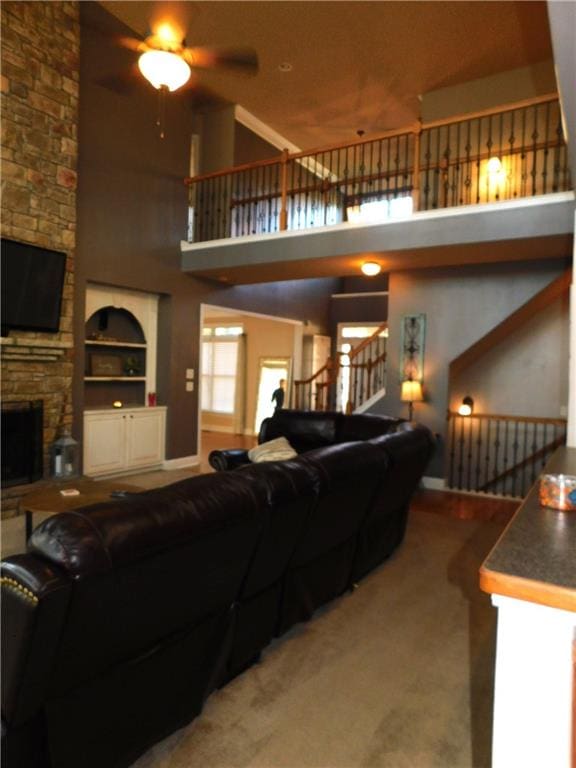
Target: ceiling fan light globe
{"x":162,"y":68}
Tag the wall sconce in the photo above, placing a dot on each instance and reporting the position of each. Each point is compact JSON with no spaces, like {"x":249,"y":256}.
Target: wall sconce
{"x":411,"y":393}
{"x":494,"y":166}
{"x":371,"y":268}
{"x":467,"y":407}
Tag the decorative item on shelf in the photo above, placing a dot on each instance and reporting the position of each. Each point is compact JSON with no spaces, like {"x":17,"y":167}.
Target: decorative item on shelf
{"x":64,"y":456}
{"x":411,"y":393}
{"x":105,"y":365}
{"x":132,"y":366}
{"x":466,"y":407}
{"x":558,"y":492}
{"x":151,"y":399}
{"x":99,"y":336}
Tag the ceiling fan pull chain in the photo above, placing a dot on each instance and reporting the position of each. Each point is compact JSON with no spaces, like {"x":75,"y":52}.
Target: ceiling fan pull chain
{"x":161,"y":120}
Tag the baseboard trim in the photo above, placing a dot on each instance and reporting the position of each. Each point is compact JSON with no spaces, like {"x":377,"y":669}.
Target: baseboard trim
{"x":226,"y":430}
{"x":434,"y":483}
{"x":181,"y":463}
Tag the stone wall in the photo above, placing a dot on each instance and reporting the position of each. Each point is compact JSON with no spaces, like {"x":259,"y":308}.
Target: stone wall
{"x":39,"y":83}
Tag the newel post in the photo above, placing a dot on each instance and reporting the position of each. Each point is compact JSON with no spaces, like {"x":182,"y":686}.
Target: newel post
{"x":284,"y":190}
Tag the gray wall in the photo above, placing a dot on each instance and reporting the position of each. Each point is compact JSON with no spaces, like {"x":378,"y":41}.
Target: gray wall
{"x":461,"y":305}
{"x":132,"y":214}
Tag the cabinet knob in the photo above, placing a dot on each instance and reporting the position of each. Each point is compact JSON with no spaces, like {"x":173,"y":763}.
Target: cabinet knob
{"x":131,"y":415}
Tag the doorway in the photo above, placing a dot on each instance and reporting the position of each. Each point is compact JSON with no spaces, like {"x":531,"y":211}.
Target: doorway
{"x":272,"y":371}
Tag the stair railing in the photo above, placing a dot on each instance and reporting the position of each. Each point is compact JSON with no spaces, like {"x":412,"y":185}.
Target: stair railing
{"x":498,"y":454}
{"x":346,"y":381}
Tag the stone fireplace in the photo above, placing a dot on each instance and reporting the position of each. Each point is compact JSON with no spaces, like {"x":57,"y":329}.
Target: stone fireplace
{"x":39,"y":86}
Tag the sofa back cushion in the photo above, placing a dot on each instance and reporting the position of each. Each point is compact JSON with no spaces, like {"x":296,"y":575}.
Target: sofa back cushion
{"x":360,"y":426}
{"x":290,"y":491}
{"x":349,"y":475}
{"x":147,"y":568}
{"x":304,"y":430}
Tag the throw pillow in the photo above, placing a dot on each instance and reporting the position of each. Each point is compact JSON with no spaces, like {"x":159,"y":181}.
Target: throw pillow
{"x":274,"y":450}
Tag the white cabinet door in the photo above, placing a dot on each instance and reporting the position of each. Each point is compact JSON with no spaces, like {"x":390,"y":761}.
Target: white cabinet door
{"x":145,"y":438}
{"x":104,"y":443}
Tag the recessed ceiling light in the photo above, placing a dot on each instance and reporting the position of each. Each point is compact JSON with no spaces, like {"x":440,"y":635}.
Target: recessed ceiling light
{"x":285,"y":66}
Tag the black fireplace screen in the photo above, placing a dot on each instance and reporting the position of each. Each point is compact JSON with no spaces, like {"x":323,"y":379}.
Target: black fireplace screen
{"x":22,"y":426}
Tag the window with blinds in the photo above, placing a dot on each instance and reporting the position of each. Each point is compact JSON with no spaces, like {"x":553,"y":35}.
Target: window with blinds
{"x":219,"y":361}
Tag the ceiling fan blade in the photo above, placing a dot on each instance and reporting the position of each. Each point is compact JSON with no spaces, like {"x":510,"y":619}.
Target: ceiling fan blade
{"x":132,"y":44}
{"x":239,"y":59}
{"x":122,"y":83}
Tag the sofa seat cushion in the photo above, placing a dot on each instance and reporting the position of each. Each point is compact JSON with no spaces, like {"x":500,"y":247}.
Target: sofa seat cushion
{"x":278,"y":449}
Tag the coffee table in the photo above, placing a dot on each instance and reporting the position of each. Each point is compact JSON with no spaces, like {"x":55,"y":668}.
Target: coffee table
{"x":49,"y":499}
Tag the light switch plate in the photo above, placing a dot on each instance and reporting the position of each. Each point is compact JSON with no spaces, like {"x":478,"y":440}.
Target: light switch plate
{"x":189,"y":386}
{"x":189,"y":373}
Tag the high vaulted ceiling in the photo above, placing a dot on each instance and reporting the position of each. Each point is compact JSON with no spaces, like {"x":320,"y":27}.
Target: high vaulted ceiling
{"x":355,"y":65}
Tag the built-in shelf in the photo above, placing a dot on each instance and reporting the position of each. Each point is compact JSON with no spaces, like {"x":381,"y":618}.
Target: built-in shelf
{"x":102,"y":343}
{"x":114,"y":378}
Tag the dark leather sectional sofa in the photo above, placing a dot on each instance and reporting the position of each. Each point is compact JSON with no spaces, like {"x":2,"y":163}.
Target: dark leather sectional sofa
{"x":123,"y":617}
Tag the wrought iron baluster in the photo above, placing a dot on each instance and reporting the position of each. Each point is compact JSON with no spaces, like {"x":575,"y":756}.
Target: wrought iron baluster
{"x":487,"y":457}
{"x":427,"y":158}
{"x":533,"y":172}
{"x":458,"y":197}
{"x":478,"y":450}
{"x":479,"y":137}
{"x":451,"y":418}
{"x":513,"y":158}
{"x":546,"y":150}
{"x":469,"y":455}
{"x":515,"y":457}
{"x":505,"y":457}
{"x":496,"y":448}
{"x":534,"y":448}
{"x":557,"y":156}
{"x":524,"y":157}
{"x":461,"y":454}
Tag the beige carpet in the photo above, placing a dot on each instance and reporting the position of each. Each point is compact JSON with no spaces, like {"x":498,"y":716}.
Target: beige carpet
{"x":396,"y":675}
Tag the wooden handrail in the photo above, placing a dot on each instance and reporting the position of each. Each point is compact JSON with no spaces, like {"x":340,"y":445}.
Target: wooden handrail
{"x":502,"y":417}
{"x":356,"y":351}
{"x":326,"y":367}
{"x":534,"y":101}
{"x":383,"y":136}
{"x":414,"y":129}
{"x":234,"y":169}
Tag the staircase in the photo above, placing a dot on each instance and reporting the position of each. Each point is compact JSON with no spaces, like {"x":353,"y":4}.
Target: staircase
{"x":496,"y":453}
{"x":347,"y":382}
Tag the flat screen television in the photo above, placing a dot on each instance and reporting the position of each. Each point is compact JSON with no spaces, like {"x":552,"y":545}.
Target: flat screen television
{"x":32,"y":283}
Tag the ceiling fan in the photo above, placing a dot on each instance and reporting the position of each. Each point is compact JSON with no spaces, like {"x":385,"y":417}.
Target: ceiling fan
{"x":167,"y":62}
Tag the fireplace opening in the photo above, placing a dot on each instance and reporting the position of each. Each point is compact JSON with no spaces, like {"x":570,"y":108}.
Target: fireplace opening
{"x":22,"y":447}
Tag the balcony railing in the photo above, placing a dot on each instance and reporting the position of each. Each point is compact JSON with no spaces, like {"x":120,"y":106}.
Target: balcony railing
{"x":516,"y":151}
{"x":498,"y":454}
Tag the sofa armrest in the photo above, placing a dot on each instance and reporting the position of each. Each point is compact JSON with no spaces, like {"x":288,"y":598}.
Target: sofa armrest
{"x":228,"y":459}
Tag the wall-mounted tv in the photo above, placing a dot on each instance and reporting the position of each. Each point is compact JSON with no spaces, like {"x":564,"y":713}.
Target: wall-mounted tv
{"x":32,"y":283}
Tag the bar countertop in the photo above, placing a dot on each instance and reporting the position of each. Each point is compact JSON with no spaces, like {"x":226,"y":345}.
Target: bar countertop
{"x":535,"y":558}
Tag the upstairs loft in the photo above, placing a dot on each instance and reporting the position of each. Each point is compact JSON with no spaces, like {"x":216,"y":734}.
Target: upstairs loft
{"x":432,"y":194}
